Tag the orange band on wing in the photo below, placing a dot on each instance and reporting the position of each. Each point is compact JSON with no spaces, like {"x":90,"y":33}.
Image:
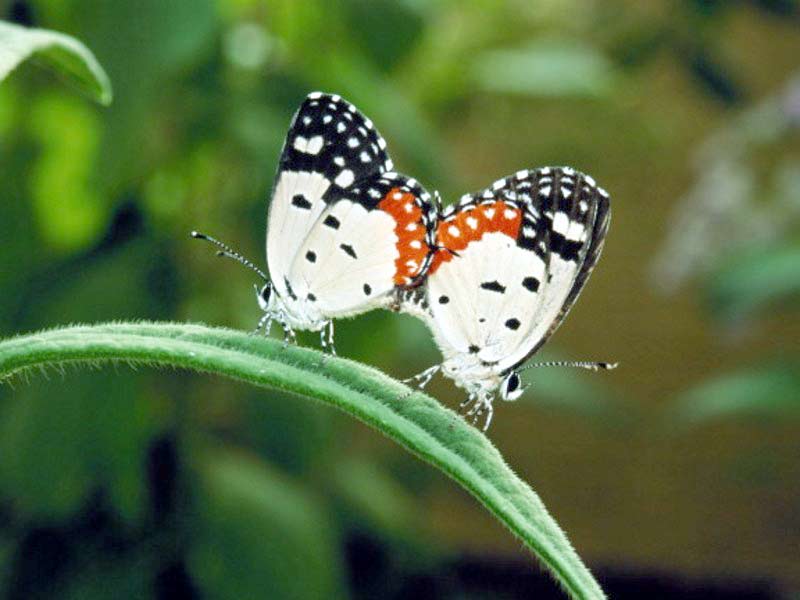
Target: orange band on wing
{"x":410,"y":232}
{"x":470,"y":226}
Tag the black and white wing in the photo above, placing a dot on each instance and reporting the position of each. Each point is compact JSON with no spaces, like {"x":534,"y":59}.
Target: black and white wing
{"x":343,"y":228}
{"x":514,"y":259}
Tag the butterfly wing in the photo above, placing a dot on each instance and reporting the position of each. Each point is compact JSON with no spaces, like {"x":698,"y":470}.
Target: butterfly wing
{"x":368,"y":242}
{"x":515,"y":258}
{"x":330,"y":147}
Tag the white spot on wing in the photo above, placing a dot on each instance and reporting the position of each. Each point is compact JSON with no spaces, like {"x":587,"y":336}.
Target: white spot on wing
{"x":561,"y":223}
{"x":300,"y":143}
{"x":312,"y":146}
{"x":345,"y":178}
{"x":576,"y":232}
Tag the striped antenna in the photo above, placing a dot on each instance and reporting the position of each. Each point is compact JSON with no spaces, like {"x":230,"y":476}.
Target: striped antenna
{"x":590,"y":365}
{"x":228,"y":252}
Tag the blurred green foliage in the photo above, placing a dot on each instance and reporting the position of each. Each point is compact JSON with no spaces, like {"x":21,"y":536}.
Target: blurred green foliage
{"x":130,"y":484}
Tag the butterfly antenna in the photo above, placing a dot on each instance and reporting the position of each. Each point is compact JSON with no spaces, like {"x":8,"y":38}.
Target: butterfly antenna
{"x":228,"y":252}
{"x":590,"y":365}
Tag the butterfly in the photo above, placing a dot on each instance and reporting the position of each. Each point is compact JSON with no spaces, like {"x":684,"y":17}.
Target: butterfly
{"x":509,"y":263}
{"x":345,"y":231}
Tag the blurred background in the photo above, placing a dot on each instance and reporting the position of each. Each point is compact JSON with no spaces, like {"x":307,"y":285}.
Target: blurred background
{"x":677,"y":475}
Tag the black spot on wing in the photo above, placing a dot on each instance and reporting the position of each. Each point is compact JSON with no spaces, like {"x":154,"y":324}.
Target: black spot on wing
{"x":348,"y":249}
{"x":566,"y":249}
{"x":289,"y":289}
{"x":301,"y":201}
{"x":367,"y":289}
{"x":311,"y":297}
{"x":513,"y":324}
{"x":474,"y":349}
{"x":444,"y":299}
{"x":494,"y":286}
{"x":311,"y":256}
{"x":531,"y":284}
{"x":332,"y":222}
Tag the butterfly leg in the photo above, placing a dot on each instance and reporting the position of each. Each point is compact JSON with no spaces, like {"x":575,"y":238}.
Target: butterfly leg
{"x":331,"y":346}
{"x":326,"y":340}
{"x":265,"y":323}
{"x":288,"y":332}
{"x":465,"y":403}
{"x":323,"y":340}
{"x":422,"y":379}
{"x":481,"y":405}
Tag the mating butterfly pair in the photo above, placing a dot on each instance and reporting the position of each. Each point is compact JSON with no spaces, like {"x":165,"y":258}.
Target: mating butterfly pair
{"x":492,"y":276}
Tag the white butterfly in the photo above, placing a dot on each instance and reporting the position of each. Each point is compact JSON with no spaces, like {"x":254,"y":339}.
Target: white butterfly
{"x":344,"y":231}
{"x":510,"y":263}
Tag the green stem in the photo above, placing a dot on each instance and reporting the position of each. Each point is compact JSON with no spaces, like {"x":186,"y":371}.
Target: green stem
{"x":418,"y":422}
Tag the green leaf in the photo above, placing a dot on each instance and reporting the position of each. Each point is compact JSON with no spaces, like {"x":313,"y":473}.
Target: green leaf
{"x":63,"y":53}
{"x":417,"y":422}
{"x":762,"y":278}
{"x":545,"y":68}
{"x":772,"y":392}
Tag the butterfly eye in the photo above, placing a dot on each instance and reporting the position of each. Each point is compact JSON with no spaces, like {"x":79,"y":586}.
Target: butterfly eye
{"x":263,"y":296}
{"x":511,"y":388}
